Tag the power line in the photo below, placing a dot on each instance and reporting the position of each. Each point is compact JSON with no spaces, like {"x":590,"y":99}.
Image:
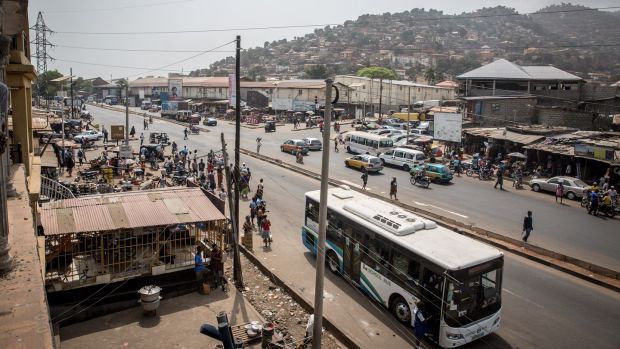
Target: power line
{"x":454,"y":17}
{"x":119,"y":8}
{"x":130,"y":49}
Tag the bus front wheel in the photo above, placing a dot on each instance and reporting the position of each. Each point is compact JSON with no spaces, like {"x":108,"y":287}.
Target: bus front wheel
{"x":401,"y":310}
{"x":332,"y":261}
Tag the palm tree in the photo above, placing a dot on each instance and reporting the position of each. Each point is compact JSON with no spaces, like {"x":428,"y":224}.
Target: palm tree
{"x":121,"y":84}
{"x":429,"y":75}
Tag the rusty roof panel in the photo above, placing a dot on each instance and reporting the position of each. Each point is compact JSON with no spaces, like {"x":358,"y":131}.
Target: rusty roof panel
{"x":114,"y":211}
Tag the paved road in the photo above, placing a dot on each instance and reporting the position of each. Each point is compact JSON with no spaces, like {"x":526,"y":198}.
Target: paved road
{"x":563,"y":228}
{"x":542,"y":307}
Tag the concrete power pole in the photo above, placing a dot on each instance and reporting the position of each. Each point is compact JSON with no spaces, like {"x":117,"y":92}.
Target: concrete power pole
{"x":127,"y":112}
{"x":233,"y":214}
{"x":237,"y":258}
{"x":320,"y":256}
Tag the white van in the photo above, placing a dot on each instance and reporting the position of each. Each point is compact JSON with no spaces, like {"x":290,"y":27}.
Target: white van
{"x":367,"y":143}
{"x":403,"y":158}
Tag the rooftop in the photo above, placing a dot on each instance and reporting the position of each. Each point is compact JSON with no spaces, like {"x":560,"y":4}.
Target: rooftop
{"x":502,"y":69}
{"x":147,"y":208}
{"x":501,"y":133}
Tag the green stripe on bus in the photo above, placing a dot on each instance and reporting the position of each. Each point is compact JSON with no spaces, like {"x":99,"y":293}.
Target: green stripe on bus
{"x":372,"y":289}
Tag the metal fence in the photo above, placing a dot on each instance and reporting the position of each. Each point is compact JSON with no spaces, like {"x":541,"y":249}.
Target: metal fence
{"x":86,"y":258}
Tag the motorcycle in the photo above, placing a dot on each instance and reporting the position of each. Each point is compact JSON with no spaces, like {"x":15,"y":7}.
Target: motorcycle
{"x":87,"y":175}
{"x":608,"y":210}
{"x":423,"y":181}
{"x":299,"y":158}
{"x":485,"y":174}
{"x":179,"y":180}
{"x":518,"y":182}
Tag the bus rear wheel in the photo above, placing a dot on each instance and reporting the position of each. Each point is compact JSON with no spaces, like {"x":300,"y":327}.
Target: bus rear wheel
{"x":332,"y":261}
{"x":401,"y":310}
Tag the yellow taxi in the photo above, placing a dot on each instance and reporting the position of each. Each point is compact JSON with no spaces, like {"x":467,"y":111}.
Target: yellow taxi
{"x":369,"y":162}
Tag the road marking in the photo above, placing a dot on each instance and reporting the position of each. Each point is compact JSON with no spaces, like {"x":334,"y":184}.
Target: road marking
{"x":353,"y":184}
{"x":523,"y":298}
{"x":442,"y":209}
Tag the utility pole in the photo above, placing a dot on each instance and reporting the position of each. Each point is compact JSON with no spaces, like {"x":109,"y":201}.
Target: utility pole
{"x":237,"y":260}
{"x":127,"y":112}
{"x":71,"y":77}
{"x":380,"y":98}
{"x":320,"y":255}
{"x":237,"y":274}
{"x":408,"y":115}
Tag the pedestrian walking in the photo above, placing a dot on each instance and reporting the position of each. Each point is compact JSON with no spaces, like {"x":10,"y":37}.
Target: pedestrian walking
{"x":141,"y":138}
{"x":393,"y":189}
{"x":364,"y":177}
{"x":421,"y":323}
{"x":201,"y":166}
{"x":336,"y":144}
{"x":258,"y":144}
{"x":105,"y":135}
{"x":80,"y":155}
{"x":217,"y":266}
{"x":132,"y":133}
{"x":220,"y":176}
{"x":199,"y":268}
{"x":559,"y":192}
{"x":528,"y":226}
{"x":185,"y":133}
{"x":253,"y":209}
{"x":69,"y":162}
{"x":500,"y":178}
{"x":267,"y":238}
{"x":162,"y":182}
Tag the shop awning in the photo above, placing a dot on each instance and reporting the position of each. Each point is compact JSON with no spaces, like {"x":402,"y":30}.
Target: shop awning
{"x":503,"y":134}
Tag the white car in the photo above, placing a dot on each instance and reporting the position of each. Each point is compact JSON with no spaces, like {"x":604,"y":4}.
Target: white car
{"x":313,"y":143}
{"x":91,"y":135}
{"x":404,"y":158}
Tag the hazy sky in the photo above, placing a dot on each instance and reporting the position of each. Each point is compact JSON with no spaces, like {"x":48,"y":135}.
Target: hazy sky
{"x":130,"y":16}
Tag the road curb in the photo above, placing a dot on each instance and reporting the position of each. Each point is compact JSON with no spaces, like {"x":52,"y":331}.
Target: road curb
{"x":584,"y":270}
{"x":327,"y":324}
{"x":144,"y":114}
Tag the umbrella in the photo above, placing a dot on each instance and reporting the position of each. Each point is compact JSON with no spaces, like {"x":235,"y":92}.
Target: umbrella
{"x":310,"y":112}
{"x":517,"y":155}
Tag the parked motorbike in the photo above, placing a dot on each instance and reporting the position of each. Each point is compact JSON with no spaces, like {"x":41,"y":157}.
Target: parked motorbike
{"x":87,"y":175}
{"x":423,"y":181}
{"x":608,"y":210}
{"x":179,"y":180}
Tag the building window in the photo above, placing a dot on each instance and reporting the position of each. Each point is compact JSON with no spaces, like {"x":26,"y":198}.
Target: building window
{"x":496,"y":107}
{"x":299,"y":92}
{"x":220,"y":90}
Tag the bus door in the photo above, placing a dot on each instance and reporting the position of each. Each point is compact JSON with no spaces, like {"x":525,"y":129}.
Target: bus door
{"x":351,"y":260}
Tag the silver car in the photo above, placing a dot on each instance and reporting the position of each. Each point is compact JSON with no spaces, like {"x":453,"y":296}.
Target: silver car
{"x":313,"y":143}
{"x":574,"y":188}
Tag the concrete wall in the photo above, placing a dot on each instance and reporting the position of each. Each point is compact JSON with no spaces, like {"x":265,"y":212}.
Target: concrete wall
{"x":553,"y":116}
{"x":502,"y":112}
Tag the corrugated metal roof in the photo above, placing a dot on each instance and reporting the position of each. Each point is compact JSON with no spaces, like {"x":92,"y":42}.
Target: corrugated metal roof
{"x":147,"y":208}
{"x":503,"y":69}
{"x":503,"y":134}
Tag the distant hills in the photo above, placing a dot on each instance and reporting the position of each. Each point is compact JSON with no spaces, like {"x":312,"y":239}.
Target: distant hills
{"x":429,"y":45}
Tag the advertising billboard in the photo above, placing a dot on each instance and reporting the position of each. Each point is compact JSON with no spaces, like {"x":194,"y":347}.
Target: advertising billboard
{"x":117,"y":132}
{"x":448,"y":127}
{"x":175,"y":88}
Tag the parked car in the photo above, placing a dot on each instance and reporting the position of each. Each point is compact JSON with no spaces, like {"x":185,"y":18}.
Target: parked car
{"x":91,"y":135}
{"x":210,"y":121}
{"x":574,"y":188}
{"x":369,"y":162}
{"x":403,"y":158}
{"x":313,"y":143}
{"x":294,"y":145}
{"x":436,"y":172}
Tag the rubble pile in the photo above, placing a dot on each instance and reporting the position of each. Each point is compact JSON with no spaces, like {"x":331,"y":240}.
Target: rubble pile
{"x":275,"y":305}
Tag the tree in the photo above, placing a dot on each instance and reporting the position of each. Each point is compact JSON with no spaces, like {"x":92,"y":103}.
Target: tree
{"x":317,"y":71}
{"x":377,"y":73}
{"x":45,"y":88}
{"x":121,"y":84}
{"x":429,"y":75}
{"x":257,"y":72}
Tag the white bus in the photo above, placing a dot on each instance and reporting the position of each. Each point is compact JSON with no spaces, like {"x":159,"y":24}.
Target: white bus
{"x":399,"y":258}
{"x":367,"y":143}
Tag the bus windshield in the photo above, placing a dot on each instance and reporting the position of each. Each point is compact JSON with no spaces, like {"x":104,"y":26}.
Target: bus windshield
{"x":472,"y":299}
